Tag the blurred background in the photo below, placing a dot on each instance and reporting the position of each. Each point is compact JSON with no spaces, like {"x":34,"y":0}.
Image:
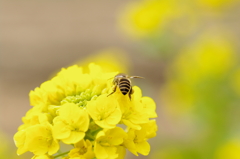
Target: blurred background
{"x":187,"y":50}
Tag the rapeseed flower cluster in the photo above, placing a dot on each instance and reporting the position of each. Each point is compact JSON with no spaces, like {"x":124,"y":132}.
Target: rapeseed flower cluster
{"x":74,"y":108}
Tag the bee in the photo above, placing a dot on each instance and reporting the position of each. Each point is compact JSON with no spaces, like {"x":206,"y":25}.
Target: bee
{"x":123,"y":82}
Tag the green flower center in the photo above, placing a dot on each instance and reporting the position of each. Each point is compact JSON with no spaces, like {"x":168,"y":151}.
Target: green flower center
{"x":81,"y":99}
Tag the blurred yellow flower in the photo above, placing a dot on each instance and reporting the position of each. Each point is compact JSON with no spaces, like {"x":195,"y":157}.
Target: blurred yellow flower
{"x":206,"y":60}
{"x":169,"y":22}
{"x":208,"y":57}
{"x":110,"y":60}
{"x":215,"y":4}
{"x":147,"y":16}
{"x":230,"y":150}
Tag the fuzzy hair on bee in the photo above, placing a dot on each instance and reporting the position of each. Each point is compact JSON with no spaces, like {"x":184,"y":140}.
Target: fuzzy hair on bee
{"x":123,"y":82}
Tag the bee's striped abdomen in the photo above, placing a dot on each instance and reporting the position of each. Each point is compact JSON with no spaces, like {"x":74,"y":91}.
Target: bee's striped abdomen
{"x":124,"y":86}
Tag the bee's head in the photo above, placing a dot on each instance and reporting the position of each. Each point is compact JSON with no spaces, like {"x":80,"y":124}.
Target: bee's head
{"x":121,"y":75}
{"x":118,"y":77}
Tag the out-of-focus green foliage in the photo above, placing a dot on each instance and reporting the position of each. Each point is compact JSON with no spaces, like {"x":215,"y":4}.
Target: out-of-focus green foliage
{"x":199,"y":88}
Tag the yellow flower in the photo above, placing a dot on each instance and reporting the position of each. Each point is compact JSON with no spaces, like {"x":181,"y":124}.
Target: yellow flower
{"x":71,"y":85}
{"x":42,"y":157}
{"x":107,"y":142}
{"x":147,"y":16}
{"x":105,"y":113}
{"x":134,"y":112}
{"x":215,"y":4}
{"x":71,"y":124}
{"x":82,"y":150}
{"x":136,"y":142}
{"x":230,"y":150}
{"x":34,"y":117}
{"x":74,"y":107}
{"x":149,"y":106}
{"x":19,"y":139}
{"x":209,"y":56}
{"x":208,"y":59}
{"x":37,"y":139}
{"x":121,"y":151}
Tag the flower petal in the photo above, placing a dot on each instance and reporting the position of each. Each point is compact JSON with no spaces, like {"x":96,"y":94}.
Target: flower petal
{"x":74,"y":137}
{"x":60,"y":129}
{"x":143,"y":148}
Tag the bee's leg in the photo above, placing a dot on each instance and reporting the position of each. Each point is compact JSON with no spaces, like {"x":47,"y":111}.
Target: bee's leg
{"x":130,"y":93}
{"x":114,"y":90}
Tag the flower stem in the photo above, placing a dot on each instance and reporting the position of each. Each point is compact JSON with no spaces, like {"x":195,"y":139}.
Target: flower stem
{"x":61,"y":154}
{"x":89,"y":137}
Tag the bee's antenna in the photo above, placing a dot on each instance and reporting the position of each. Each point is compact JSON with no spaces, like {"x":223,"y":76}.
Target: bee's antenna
{"x":136,"y":77}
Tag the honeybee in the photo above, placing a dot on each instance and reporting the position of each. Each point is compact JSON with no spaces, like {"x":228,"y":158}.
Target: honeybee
{"x":123,"y":82}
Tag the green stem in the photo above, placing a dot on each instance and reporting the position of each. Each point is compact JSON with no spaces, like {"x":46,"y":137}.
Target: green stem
{"x":89,"y":137}
{"x":96,"y":131}
{"x":61,"y":154}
